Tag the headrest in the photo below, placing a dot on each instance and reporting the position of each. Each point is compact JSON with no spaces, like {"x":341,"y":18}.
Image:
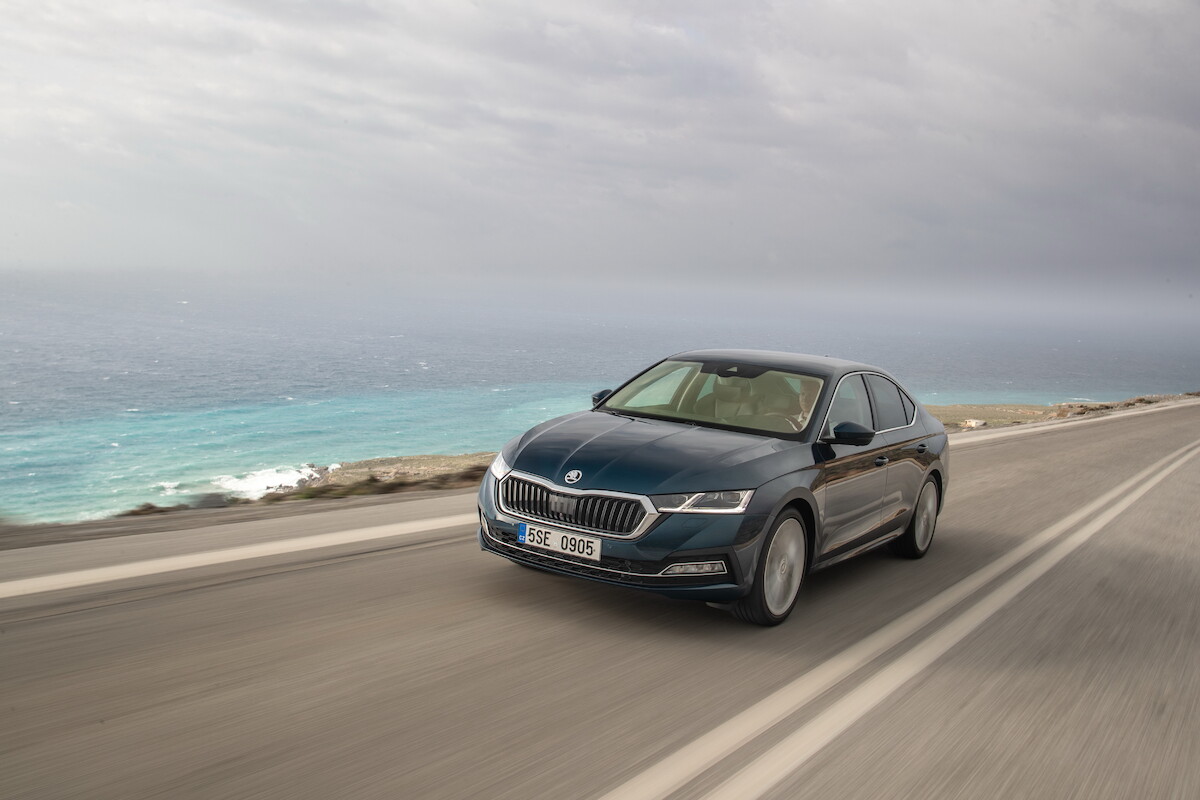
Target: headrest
{"x":731,"y":389}
{"x":782,"y":403}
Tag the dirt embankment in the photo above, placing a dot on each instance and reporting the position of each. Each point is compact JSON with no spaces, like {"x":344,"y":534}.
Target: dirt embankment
{"x":407,"y":468}
{"x":391,"y":475}
{"x":963,"y":417}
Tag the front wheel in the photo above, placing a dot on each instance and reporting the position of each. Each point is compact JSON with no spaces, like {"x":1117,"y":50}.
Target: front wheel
{"x":778,"y":575}
{"x":915,"y":541}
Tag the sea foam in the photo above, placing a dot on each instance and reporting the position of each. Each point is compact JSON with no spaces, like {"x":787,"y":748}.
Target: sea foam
{"x":264,"y":481}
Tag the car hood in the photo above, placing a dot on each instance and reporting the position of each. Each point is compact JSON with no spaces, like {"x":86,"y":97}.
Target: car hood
{"x":645,"y":456}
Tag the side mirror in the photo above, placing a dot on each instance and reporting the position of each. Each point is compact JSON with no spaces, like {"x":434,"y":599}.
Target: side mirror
{"x":850,"y":433}
{"x":600,"y":396}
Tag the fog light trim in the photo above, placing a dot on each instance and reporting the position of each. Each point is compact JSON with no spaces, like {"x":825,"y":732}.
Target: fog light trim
{"x":695,"y":568}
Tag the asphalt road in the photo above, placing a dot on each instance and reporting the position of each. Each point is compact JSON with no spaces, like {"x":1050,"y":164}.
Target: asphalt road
{"x":1047,"y":647}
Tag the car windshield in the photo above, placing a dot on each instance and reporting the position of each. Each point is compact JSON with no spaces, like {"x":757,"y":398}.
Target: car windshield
{"x":721,"y":395}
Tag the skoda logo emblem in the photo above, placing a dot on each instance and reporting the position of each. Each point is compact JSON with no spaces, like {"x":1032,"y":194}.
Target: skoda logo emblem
{"x":573,"y":476}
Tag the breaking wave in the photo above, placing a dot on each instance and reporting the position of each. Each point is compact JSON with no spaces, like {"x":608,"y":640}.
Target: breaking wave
{"x":264,"y":481}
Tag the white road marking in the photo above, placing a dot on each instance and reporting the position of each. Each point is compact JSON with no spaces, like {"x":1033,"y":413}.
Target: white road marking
{"x":685,"y":764}
{"x":765,"y":772}
{"x":155,"y":566}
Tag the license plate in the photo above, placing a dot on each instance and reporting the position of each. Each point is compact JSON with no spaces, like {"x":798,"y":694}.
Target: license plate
{"x":571,"y":544}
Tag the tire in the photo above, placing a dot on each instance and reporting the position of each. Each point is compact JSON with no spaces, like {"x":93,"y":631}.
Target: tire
{"x":778,"y":575}
{"x":918,"y":536}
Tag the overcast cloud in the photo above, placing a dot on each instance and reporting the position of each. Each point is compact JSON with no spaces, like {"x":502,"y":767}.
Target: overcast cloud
{"x":971,"y":146}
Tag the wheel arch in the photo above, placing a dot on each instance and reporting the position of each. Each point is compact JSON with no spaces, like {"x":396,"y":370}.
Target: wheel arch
{"x":940,"y":482}
{"x":786,"y":493}
{"x":802,"y":507}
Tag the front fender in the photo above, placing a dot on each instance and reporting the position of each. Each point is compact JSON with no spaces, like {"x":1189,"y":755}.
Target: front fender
{"x":774,"y":497}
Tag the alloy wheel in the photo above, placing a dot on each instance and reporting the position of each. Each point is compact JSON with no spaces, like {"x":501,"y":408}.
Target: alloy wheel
{"x":785,"y":567}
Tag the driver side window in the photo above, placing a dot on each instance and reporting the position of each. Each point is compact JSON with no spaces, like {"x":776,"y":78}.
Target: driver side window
{"x":849,"y":404}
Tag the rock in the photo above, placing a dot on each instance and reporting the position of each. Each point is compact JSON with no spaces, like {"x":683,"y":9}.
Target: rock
{"x":210,"y":501}
{"x":149,"y":508}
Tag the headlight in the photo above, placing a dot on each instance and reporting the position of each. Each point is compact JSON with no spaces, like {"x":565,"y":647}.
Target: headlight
{"x":499,"y":467}
{"x":733,"y":502}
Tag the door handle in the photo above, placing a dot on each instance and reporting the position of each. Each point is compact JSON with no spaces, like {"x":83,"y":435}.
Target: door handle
{"x":922,"y":447}
{"x":882,"y":460}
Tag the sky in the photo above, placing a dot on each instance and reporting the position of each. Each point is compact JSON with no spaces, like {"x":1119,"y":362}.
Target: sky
{"x":978,"y":153}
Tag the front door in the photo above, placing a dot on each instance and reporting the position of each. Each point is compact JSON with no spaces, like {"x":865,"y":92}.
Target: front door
{"x":854,"y":477}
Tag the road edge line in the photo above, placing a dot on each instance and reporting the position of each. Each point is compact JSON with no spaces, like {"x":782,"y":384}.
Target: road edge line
{"x":155,"y":566}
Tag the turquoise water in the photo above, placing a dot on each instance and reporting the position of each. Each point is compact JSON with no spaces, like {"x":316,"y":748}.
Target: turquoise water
{"x":107,"y":403}
{"x":93,"y":467}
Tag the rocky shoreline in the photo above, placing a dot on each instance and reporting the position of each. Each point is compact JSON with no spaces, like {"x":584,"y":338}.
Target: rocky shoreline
{"x":353,"y":479}
{"x":405,"y":475}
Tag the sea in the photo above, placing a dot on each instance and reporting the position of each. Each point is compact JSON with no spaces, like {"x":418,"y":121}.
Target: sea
{"x":115,"y":396}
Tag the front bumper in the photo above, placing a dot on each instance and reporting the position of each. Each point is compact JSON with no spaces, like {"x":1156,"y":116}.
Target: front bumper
{"x":638,"y":563}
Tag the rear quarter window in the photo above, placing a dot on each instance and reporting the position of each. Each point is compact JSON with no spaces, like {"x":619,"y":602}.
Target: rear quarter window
{"x":910,"y":408}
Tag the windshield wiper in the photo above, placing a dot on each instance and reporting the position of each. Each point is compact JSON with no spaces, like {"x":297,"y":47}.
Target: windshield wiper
{"x":619,"y":414}
{"x":650,"y":417}
{"x":627,"y":415}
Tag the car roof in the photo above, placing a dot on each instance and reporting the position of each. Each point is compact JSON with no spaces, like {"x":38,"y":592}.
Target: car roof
{"x":821,"y":366}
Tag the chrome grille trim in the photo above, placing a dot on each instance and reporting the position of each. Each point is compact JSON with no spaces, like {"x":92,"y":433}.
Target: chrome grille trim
{"x":615,"y":515}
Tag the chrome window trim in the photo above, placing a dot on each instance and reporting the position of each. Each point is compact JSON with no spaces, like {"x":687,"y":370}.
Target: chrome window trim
{"x":652,"y":513}
{"x":825,"y":419}
{"x":488,"y":533}
{"x":913,"y":402}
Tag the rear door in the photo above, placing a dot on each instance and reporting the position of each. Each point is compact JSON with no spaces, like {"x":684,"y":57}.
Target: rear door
{"x":895,"y":415}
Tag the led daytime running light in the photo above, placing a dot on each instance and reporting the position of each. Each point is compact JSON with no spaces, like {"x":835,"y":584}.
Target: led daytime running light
{"x":725,"y":502}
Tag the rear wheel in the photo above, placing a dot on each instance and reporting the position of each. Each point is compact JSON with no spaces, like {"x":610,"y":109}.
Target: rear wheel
{"x":778,"y":575}
{"x":915,"y":541}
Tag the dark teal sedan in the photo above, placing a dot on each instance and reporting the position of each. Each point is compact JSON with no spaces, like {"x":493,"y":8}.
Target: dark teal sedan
{"x":723,"y":476}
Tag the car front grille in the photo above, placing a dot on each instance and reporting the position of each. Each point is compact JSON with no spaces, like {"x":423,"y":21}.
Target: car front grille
{"x":618,"y":516}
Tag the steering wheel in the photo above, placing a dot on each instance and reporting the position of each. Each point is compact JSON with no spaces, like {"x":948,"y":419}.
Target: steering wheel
{"x":791,"y":421}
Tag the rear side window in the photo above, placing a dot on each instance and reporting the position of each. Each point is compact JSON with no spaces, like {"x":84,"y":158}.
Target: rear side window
{"x":889,"y":405}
